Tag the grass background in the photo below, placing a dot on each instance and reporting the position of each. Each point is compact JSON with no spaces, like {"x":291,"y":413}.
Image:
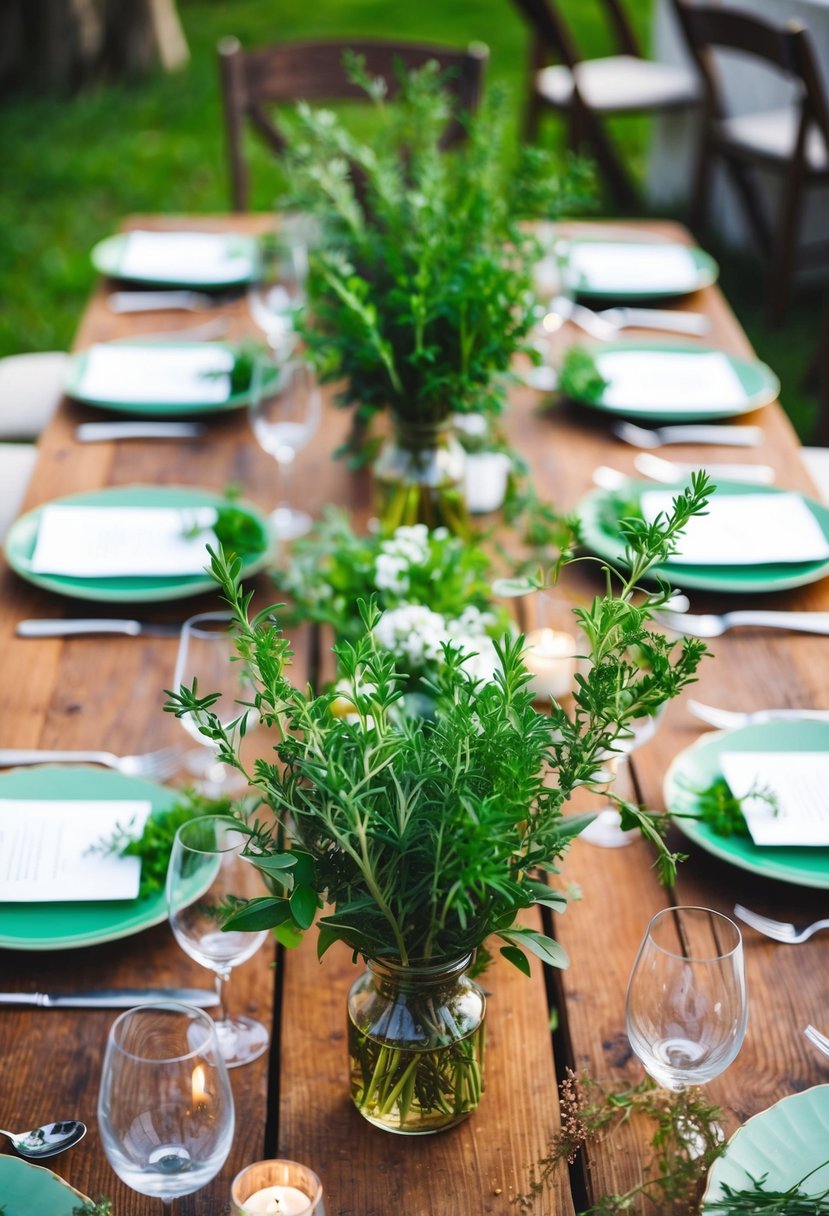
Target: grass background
{"x":74,"y":167}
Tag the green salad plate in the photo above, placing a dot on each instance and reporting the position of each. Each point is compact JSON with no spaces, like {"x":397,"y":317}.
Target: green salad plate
{"x":66,"y":926}
{"x":757,"y":382}
{"x":600,"y":510}
{"x":22,"y":536}
{"x":687,"y":269}
{"x":243,"y":263}
{"x":31,"y":1190}
{"x":698,"y":766}
{"x":155,"y":406}
{"x":782,"y":1144}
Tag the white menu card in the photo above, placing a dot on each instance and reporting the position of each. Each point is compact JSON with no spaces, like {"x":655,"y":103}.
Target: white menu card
{"x":111,"y":542}
{"x":185,"y":257}
{"x":47,"y":850}
{"x":669,"y":380}
{"x":621,"y":267}
{"x":137,"y":374}
{"x":745,"y":530}
{"x":799,"y":781}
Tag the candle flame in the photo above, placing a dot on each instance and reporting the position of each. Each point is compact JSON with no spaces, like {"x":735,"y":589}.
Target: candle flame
{"x":201,"y":1098}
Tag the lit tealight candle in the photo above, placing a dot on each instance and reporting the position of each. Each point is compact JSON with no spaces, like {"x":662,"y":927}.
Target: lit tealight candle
{"x":550,"y":658}
{"x":278,"y":1201}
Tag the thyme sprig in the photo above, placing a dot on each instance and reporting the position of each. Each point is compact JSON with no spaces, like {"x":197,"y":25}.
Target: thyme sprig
{"x":756,"y":1200}
{"x":685,"y":1141}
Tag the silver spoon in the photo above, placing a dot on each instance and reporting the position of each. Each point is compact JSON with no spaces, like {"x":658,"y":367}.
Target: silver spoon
{"x":47,"y":1141}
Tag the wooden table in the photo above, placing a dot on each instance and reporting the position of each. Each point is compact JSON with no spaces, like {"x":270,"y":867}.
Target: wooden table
{"x":108,"y":692}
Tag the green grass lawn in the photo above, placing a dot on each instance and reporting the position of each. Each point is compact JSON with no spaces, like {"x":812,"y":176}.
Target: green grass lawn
{"x":74,"y":168}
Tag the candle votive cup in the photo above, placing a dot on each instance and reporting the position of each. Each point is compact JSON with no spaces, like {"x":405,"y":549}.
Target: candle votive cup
{"x":292,"y":1180}
{"x":553,"y":645}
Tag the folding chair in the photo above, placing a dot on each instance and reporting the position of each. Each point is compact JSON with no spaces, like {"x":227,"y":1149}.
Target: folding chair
{"x":253,"y":82}
{"x":588,"y":91}
{"x":792,"y":140}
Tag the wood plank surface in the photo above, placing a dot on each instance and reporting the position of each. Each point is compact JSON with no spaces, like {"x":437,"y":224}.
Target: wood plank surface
{"x":108,"y":692}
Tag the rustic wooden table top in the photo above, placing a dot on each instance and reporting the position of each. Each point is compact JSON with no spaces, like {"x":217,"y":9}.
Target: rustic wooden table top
{"x":107,"y":692}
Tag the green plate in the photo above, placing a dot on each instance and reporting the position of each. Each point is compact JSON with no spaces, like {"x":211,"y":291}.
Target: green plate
{"x":66,"y":926}
{"x":699,"y":765}
{"x":30,"y":1190}
{"x":108,"y":254}
{"x":73,"y":386}
{"x":759,"y":384}
{"x":21,"y":538}
{"x":785,"y":1142}
{"x":596,"y":509}
{"x":702,"y":272}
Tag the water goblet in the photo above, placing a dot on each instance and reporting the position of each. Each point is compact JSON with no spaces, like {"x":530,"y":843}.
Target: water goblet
{"x":278,"y":292}
{"x":687,"y":1009}
{"x":284,"y":414}
{"x":207,"y":868}
{"x":165,"y":1107}
{"x":205,"y":657}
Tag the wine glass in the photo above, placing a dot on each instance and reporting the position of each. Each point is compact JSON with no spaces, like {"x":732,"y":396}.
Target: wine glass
{"x":205,"y":655}
{"x":686,"y":1008}
{"x":284,"y":414}
{"x":207,"y":868}
{"x":165,"y":1107}
{"x":606,"y":830}
{"x":278,"y":292}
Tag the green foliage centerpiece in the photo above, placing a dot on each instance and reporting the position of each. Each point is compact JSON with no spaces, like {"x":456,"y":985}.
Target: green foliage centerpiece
{"x":417,"y":840}
{"x":420,"y":287}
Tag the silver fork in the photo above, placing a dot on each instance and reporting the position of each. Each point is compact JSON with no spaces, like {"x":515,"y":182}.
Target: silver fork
{"x":711,"y":625}
{"x":778,"y":930}
{"x":728,"y":436}
{"x":157,"y":764}
{"x":819,"y":1040}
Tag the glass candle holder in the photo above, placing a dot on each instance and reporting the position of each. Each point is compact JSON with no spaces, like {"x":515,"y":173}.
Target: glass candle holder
{"x":277,"y":1188}
{"x":551,"y":646}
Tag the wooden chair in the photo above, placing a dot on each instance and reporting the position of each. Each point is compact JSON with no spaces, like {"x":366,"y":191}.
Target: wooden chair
{"x":587,"y":91}
{"x":253,"y":82}
{"x":792,"y":140}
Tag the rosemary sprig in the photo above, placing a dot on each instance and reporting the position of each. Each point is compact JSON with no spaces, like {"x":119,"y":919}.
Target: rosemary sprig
{"x":755,"y":1200}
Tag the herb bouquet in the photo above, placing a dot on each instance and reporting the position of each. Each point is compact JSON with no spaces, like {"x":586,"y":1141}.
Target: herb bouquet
{"x":418,"y":840}
{"x":420,"y":287}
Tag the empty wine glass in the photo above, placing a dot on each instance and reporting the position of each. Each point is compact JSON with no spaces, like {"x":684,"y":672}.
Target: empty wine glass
{"x":606,"y":829}
{"x":284,"y":414}
{"x":165,"y":1108}
{"x":278,"y":292}
{"x":687,"y":1009}
{"x":207,"y":869}
{"x":205,"y":656}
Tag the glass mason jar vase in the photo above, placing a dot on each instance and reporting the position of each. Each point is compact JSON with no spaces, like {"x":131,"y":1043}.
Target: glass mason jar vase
{"x":419,"y":477}
{"x":416,"y":1045}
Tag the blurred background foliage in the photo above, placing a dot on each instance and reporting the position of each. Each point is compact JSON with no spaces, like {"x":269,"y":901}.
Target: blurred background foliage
{"x":73,"y":167}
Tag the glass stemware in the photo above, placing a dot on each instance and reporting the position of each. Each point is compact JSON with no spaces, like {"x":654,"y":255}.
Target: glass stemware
{"x":165,"y":1107}
{"x":687,"y":1008}
{"x":606,"y":829}
{"x":204,"y":655}
{"x":207,"y":868}
{"x":278,"y":293}
{"x":284,"y":414}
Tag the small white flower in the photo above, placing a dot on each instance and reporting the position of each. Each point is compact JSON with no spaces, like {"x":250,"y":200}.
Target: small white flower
{"x":391,"y":574}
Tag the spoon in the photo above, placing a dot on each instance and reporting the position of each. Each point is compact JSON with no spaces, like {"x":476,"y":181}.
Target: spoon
{"x":47,"y":1141}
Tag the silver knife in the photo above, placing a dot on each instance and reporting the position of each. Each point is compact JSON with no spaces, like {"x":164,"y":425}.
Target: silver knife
{"x":101,"y":432}
{"x":166,"y":300}
{"x":111,"y":998}
{"x":694,"y":323}
{"x":48,"y":628}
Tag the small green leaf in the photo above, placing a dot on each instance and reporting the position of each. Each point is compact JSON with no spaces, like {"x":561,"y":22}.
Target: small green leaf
{"x":288,"y":935}
{"x":262,"y":913}
{"x":518,"y":958}
{"x":543,"y":947}
{"x":304,"y":904}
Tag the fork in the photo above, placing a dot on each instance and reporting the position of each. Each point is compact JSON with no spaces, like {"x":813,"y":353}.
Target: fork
{"x":157,"y":764}
{"x":711,"y":625}
{"x":727,"y":719}
{"x":779,"y":930}
{"x":728,"y":436}
{"x":819,"y":1040}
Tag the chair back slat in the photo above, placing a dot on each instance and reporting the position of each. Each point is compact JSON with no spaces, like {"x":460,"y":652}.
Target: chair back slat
{"x":255,"y":82}
{"x":547,"y":20}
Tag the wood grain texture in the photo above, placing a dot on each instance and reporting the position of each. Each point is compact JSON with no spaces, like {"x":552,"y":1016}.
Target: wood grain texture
{"x":108,"y":691}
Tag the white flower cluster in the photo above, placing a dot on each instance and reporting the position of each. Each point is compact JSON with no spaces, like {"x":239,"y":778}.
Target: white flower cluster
{"x":409,"y":546}
{"x":416,"y":634}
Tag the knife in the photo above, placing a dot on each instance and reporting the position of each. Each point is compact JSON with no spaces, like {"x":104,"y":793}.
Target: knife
{"x":166,"y":300}
{"x":101,"y":432}
{"x":111,"y":998}
{"x":48,"y":628}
